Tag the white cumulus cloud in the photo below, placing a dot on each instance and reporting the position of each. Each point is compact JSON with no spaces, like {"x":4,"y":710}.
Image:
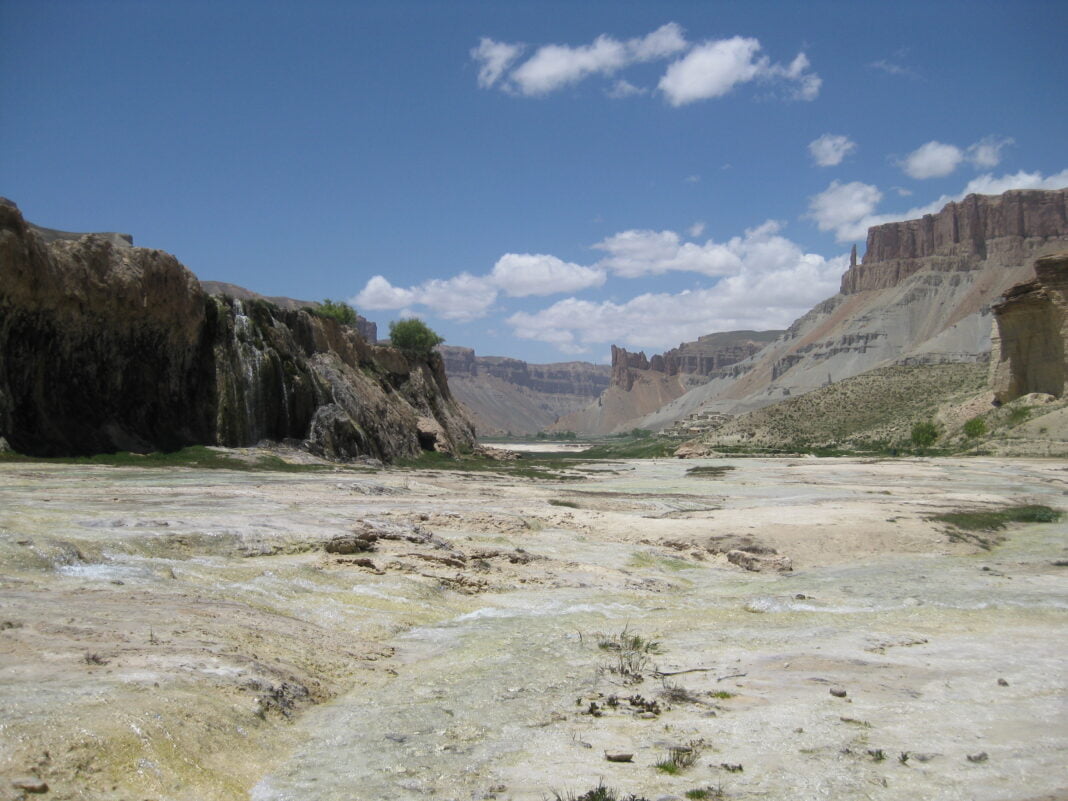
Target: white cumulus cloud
{"x":830,"y":149}
{"x":523,"y":274}
{"x":773,"y":283}
{"x":932,"y":160}
{"x":463,"y":297}
{"x":986,"y":152}
{"x":936,"y":159}
{"x":554,"y":66}
{"x":712,"y":69}
{"x":494,"y":58}
{"x":467,"y":297}
{"x":843,"y":207}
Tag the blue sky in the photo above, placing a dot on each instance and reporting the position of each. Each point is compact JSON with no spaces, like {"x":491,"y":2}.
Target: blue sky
{"x":535,"y":179}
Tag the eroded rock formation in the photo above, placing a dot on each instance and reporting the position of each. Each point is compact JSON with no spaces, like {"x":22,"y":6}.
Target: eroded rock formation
{"x":641,"y":385}
{"x":922,"y":295}
{"x":107,"y":347}
{"x":960,"y":237}
{"x":1030,"y":341}
{"x":506,"y":395}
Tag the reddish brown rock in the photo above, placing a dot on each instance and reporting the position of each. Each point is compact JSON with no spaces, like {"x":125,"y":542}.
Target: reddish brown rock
{"x":959,"y":237}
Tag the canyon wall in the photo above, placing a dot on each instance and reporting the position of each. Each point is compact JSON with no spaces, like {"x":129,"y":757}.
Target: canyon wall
{"x":960,"y":237}
{"x":922,"y":295}
{"x":107,"y":347}
{"x":641,"y":385}
{"x":510,"y":396}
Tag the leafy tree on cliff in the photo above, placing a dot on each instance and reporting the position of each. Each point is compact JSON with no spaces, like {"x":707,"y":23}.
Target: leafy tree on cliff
{"x":337,"y":310}
{"x":413,"y":336}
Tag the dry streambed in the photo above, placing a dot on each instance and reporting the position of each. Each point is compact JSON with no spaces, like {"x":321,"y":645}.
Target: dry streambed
{"x":221,"y":635}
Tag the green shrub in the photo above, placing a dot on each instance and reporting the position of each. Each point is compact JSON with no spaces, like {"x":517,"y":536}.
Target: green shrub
{"x":924,"y":434}
{"x":413,"y":336}
{"x":337,"y":310}
{"x":975,"y":428}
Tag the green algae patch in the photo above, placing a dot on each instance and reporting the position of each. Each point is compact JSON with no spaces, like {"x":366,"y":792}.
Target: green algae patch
{"x":996,"y":519}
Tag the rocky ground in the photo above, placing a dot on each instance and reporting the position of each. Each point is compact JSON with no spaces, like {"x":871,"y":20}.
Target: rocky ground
{"x":793,"y":628}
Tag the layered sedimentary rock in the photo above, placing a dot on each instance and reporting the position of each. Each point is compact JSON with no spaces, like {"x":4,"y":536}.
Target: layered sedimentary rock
{"x":108,"y":347}
{"x":504,"y":395}
{"x":641,"y":385}
{"x":1030,"y":342}
{"x":961,"y":236}
{"x":922,"y":295}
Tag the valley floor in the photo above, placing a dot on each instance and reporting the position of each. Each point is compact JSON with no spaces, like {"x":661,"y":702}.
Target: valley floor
{"x":185,"y":634}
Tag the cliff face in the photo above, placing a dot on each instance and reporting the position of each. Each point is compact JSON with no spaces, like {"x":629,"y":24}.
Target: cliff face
{"x":108,"y":347}
{"x":504,"y":395}
{"x":1030,"y":343}
{"x":922,"y":295}
{"x":641,"y":385}
{"x":959,"y":237}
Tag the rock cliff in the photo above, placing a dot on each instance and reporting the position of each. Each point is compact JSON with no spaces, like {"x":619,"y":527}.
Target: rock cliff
{"x":922,"y":295}
{"x":504,"y":395}
{"x":106,"y":347}
{"x":641,"y":385}
{"x":1030,"y":342}
{"x":960,"y":237}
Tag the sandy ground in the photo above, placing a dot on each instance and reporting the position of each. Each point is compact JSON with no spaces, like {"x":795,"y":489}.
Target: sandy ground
{"x":183,"y":634}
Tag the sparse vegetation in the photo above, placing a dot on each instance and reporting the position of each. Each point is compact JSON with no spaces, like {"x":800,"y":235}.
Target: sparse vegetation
{"x":598,"y":793}
{"x":675,"y":693}
{"x":710,"y":471}
{"x":700,"y":793}
{"x":680,"y":758}
{"x":632,"y":654}
{"x":996,"y":519}
{"x":643,"y":448}
{"x":566,"y":504}
{"x":869,"y":414}
{"x":1019,"y":414}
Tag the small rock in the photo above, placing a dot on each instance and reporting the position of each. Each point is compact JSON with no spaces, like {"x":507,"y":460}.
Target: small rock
{"x":982,"y":756}
{"x":30,"y":785}
{"x":1002,"y":683}
{"x":619,"y":757}
{"x":838,"y":692}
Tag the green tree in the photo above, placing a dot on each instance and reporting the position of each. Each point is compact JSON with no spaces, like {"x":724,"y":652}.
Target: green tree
{"x":974,"y":429}
{"x":413,"y":336}
{"x":924,"y":434}
{"x":337,"y":310}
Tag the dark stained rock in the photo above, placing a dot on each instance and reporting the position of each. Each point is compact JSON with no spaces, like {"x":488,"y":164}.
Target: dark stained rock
{"x":106,"y":347}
